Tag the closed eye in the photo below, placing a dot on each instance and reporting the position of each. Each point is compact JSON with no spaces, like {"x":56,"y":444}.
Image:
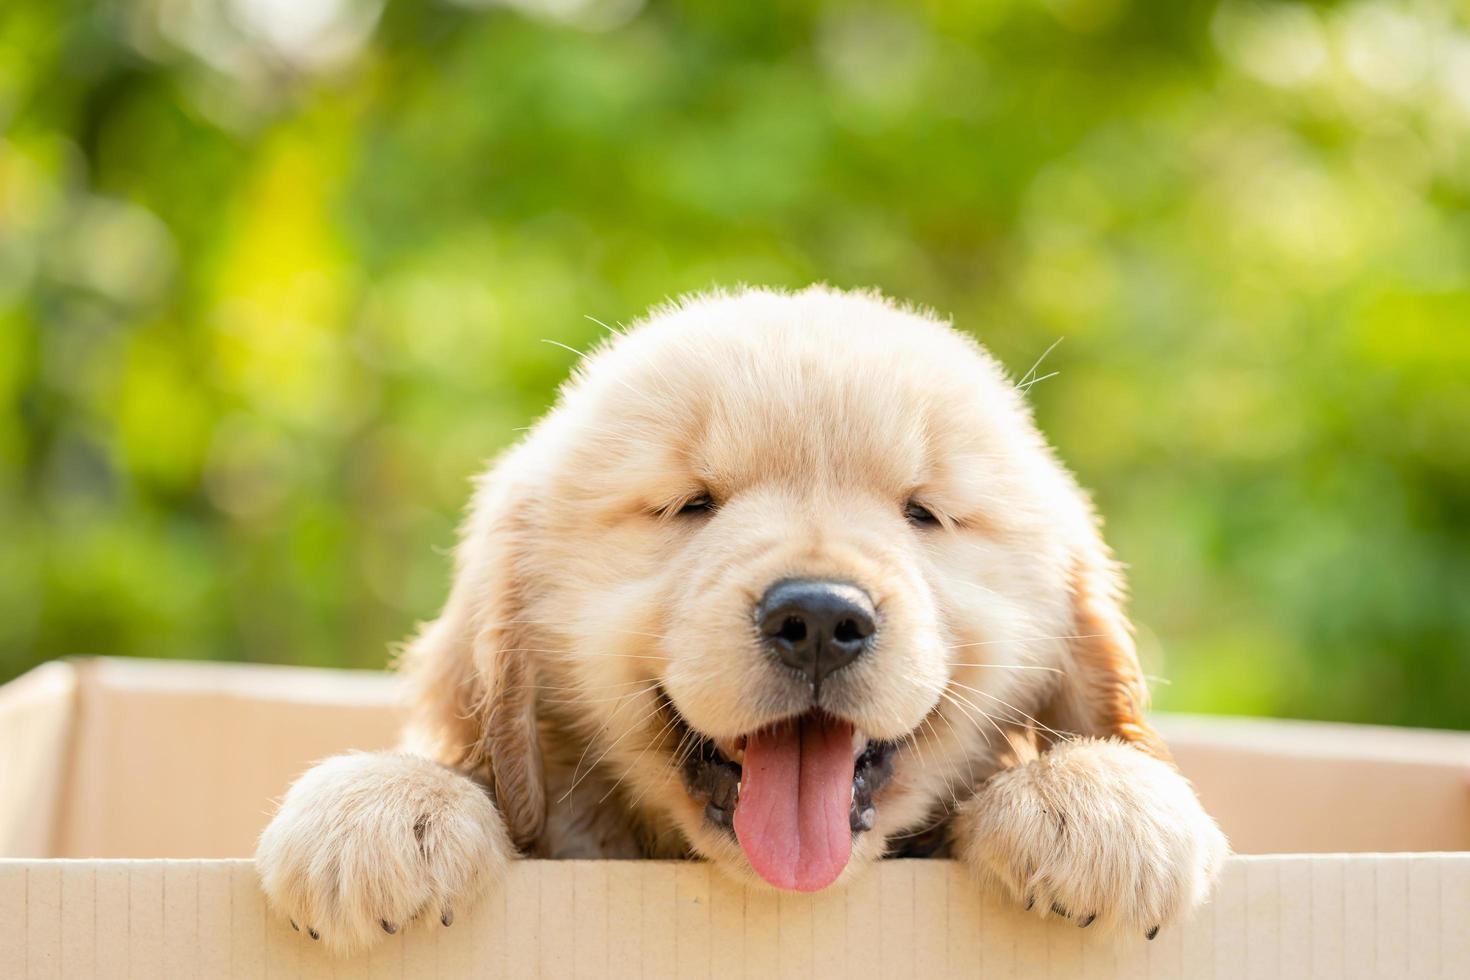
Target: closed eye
{"x":694,"y":506}
{"x":919,"y":515}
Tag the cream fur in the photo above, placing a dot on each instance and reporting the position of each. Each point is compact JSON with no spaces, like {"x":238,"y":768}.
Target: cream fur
{"x":810,"y":419}
{"x":1095,"y":830}
{"x":368,"y":842}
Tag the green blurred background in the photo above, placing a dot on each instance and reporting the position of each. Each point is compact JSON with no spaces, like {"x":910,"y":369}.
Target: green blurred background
{"x":275,"y":276}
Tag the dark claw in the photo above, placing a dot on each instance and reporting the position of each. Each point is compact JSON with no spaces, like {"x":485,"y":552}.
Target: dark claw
{"x":388,"y":927}
{"x":1151,"y":933}
{"x":1057,"y":909}
{"x":448,"y":917}
{"x":313,"y":933}
{"x":1031,"y":901}
{"x":294,"y":925}
{"x":1083,"y":924}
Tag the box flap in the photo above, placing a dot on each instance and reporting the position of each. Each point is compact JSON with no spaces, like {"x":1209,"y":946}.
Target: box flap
{"x":1310,"y":787}
{"x":37,"y":711}
{"x":186,"y":759}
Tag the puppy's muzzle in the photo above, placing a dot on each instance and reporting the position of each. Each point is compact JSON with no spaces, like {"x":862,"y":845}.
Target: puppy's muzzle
{"x":816,"y":627}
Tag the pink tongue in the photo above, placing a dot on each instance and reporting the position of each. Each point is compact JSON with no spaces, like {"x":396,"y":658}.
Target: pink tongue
{"x":795,"y":795}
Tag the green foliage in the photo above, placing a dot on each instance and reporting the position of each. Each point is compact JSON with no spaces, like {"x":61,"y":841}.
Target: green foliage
{"x":273,"y":287}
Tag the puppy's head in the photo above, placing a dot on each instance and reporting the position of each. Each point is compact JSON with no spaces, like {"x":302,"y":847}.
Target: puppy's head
{"x":795,"y":564}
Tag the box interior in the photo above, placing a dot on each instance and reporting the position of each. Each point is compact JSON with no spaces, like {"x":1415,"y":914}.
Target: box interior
{"x":113,"y":758}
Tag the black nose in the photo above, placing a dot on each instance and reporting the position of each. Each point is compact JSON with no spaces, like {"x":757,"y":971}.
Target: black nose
{"x":814,"y":626}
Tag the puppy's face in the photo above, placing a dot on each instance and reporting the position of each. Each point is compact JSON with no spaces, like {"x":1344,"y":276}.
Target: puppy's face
{"x":796,"y":564}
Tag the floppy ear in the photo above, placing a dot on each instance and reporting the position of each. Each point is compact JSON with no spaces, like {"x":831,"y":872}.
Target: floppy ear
{"x":1103,"y":692}
{"x":470,"y":679}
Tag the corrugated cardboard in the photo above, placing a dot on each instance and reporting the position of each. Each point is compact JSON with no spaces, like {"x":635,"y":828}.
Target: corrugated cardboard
{"x":137,"y":761}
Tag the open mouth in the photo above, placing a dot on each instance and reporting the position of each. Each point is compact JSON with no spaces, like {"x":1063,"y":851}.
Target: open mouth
{"x":793,"y":794}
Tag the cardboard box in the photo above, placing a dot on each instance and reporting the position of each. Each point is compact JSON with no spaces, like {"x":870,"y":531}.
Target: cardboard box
{"x":131,"y":790}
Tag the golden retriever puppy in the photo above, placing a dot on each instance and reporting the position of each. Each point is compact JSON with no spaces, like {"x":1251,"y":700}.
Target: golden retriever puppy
{"x":786,"y":582}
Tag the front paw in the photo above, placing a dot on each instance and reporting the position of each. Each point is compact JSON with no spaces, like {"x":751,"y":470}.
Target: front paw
{"x":1096,"y":831}
{"x":365,"y":843}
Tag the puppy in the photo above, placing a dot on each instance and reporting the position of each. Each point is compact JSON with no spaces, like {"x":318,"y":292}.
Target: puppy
{"x":788,"y":582}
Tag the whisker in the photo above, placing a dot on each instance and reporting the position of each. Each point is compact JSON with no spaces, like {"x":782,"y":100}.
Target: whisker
{"x":1035,"y":381}
{"x":616,"y":697}
{"x":913,"y":739}
{"x":955,"y":777}
{"x":1024,"y":639}
{"x":963,"y":780}
{"x":977,"y":586}
{"x":603,"y":325}
{"x":656,"y":740}
{"x":596,"y":735}
{"x":566,"y":347}
{"x":954,"y":699}
{"x":933,"y":823}
{"x":682,"y":754}
{"x":582,"y":357}
{"x":992,"y":719}
{"x":935,"y":735}
{"x":1054,"y":670}
{"x":1008,"y":720}
{"x":577,"y":779}
{"x":578,"y":687}
{"x":986,"y":694}
{"x":621,"y":656}
{"x":953,"y":731}
{"x":954,"y":771}
{"x":1035,"y":367}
